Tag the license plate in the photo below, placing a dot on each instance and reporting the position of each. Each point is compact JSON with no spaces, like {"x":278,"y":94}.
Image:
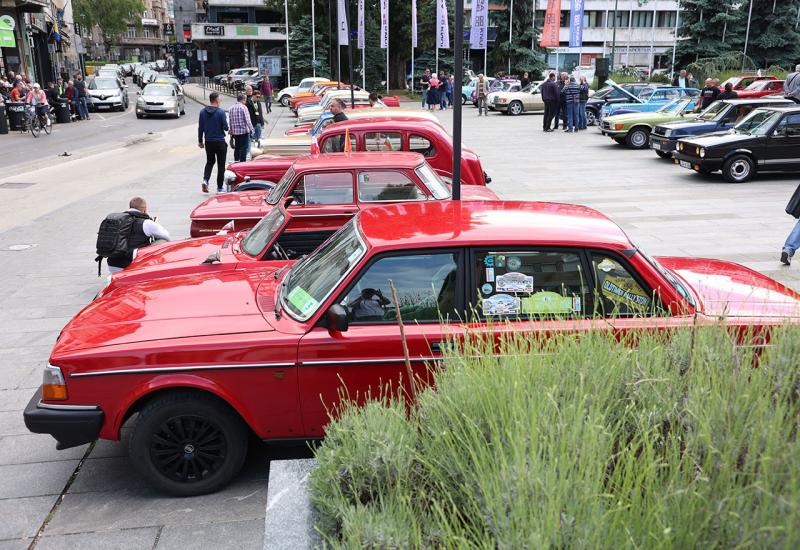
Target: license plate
{"x":685,"y":164}
{"x":655,"y":145}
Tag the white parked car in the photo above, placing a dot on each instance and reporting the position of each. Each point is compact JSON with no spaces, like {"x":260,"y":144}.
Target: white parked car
{"x":305,"y":85}
{"x":310,"y":112}
{"x":107,"y":92}
{"x":527,"y":100}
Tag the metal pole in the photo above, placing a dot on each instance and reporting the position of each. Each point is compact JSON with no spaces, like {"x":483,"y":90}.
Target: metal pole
{"x":675,"y":41}
{"x":457,"y":84}
{"x":350,"y":53}
{"x":533,"y":27}
{"x":797,"y":23}
{"x":387,"y":53}
{"x":510,"y":33}
{"x":653,"y":43}
{"x":313,"y":42}
{"x":747,"y":34}
{"x":364,"y":67}
{"x":437,"y":57}
{"x":288,"y":61}
{"x":614,"y":36}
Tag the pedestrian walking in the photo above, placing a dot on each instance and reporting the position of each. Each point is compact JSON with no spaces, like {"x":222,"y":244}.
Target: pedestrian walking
{"x":572,"y":94}
{"x":240,"y":127}
{"x":550,"y":96}
{"x":424,"y":86}
{"x":266,"y":90}
{"x":791,"y":88}
{"x":728,"y":93}
{"x":562,"y":100}
{"x":524,"y":81}
{"x":82,"y":98}
{"x":443,"y":85}
{"x":481,"y":91}
{"x":793,"y":240}
{"x":211,"y":128}
{"x":256,"y":112}
{"x":584,"y":98}
{"x":450,"y":82}
{"x":708,"y":94}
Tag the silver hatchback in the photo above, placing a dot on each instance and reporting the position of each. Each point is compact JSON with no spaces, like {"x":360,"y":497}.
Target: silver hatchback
{"x":160,"y":99}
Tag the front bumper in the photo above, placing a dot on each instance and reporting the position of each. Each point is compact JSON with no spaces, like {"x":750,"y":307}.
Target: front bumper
{"x":109,"y":103}
{"x":499,"y":107}
{"x":693,"y":163}
{"x":156,"y":110}
{"x":613,"y":133}
{"x":661,"y":143}
{"x":70,"y":425}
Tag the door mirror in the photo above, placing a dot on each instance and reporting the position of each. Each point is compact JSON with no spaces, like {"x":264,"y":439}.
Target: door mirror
{"x":336,"y":318}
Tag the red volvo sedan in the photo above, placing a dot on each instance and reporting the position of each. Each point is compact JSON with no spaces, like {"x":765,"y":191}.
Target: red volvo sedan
{"x":207,"y":359}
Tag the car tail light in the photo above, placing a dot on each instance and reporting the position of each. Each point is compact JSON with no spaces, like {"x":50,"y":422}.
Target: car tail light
{"x":53,"y":386}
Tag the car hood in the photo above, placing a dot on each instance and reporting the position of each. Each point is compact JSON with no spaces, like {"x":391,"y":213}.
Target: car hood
{"x":655,"y":118}
{"x":623,"y":90}
{"x":727,"y":289}
{"x":168,"y":308}
{"x":163,"y":98}
{"x":724,"y":138}
{"x":290,"y":90}
{"x":244,"y":204}
{"x":179,"y":251}
{"x":690,"y":125}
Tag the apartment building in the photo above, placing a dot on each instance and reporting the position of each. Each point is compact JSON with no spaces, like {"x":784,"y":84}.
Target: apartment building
{"x":148,"y":42}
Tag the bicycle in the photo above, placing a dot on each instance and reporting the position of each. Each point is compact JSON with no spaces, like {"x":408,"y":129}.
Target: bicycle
{"x":36,"y":122}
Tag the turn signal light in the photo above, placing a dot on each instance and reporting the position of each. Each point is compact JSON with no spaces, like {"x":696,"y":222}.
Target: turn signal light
{"x":53,"y":386}
{"x":618,"y":126}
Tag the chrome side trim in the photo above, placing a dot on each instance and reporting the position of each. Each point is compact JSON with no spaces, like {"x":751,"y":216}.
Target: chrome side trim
{"x":365,"y":361}
{"x":50,"y":406}
{"x":150,"y":370}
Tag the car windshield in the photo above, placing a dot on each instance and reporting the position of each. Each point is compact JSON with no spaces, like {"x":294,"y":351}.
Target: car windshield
{"x":715,"y":111}
{"x":670,"y":277}
{"x":262,"y":234}
{"x":675,"y":106}
{"x":733,"y":81}
{"x":433,"y":182}
{"x":279,"y":191}
{"x":758,"y":85}
{"x":312,"y":281}
{"x":320,"y":125}
{"x":157,"y":90}
{"x":103,"y":84}
{"x":759,"y":122}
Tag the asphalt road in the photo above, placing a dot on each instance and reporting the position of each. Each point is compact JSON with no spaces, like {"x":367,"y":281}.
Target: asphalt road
{"x":105,"y":130}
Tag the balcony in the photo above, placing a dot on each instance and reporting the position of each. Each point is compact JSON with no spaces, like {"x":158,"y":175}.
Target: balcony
{"x":236,"y":31}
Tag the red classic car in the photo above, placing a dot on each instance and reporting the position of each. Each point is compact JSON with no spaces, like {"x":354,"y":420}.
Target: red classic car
{"x":331,"y":186}
{"x":743,"y":81}
{"x":389,"y":134}
{"x":206,"y":360}
{"x":761,"y":88}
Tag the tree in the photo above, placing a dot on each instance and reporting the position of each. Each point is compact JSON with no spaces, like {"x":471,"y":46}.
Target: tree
{"x":774,"y":40}
{"x":301,"y":48}
{"x":709,"y":28}
{"x":111,"y":16}
{"x":523,"y":58}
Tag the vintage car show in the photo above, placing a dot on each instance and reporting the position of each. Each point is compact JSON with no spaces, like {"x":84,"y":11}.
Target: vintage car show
{"x":400,"y":274}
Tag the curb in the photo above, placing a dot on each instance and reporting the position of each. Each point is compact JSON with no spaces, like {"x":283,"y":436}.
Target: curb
{"x":289,"y":519}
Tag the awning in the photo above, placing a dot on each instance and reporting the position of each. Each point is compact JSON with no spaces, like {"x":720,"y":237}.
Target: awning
{"x":7,"y":39}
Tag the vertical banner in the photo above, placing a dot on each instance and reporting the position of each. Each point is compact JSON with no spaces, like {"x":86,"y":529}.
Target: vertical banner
{"x":344,"y":39}
{"x":442,"y":29}
{"x":385,"y":24}
{"x":576,"y":24}
{"x":413,"y":23}
{"x":552,"y":24}
{"x":479,"y":23}
{"x":361,"y":41}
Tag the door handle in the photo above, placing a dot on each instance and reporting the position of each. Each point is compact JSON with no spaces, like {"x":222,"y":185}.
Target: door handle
{"x":440,"y":347}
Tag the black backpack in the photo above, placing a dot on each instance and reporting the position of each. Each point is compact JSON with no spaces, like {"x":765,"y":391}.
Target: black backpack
{"x":793,"y":208}
{"x":113,"y":237}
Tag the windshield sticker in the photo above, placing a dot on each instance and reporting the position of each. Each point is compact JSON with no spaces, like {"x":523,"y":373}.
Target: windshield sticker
{"x":515,"y":282}
{"x":303,"y":301}
{"x":487,"y":289}
{"x":488,"y":261}
{"x":500,"y":261}
{"x":628,"y":290}
{"x":489,"y":274}
{"x":606,"y":265}
{"x":500,"y":304}
{"x":514,"y":263}
{"x":547,"y":302}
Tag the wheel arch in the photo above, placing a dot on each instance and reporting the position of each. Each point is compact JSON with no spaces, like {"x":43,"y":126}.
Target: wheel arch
{"x":741,"y":151}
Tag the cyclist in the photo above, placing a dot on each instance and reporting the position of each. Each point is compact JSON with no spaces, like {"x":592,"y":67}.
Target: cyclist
{"x":38,"y":99}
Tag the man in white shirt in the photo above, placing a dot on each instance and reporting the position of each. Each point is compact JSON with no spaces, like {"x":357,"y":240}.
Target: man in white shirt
{"x":681,"y":80}
{"x":145,"y":231}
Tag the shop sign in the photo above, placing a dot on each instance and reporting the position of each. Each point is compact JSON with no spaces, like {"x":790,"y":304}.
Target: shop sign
{"x":246,"y":30}
{"x":214,"y":30}
{"x":7,"y":39}
{"x":169,"y":29}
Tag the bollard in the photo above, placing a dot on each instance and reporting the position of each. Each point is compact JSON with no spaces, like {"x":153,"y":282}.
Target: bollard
{"x":3,"y":121}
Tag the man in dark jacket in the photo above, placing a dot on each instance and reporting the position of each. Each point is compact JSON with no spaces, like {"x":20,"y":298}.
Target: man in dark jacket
{"x":728,"y":93}
{"x":550,"y":98}
{"x":212,"y":126}
{"x":562,"y":98}
{"x":708,"y":94}
{"x":256,"y":114}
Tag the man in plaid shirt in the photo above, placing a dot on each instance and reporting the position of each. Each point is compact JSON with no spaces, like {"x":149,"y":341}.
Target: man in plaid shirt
{"x":240,"y":128}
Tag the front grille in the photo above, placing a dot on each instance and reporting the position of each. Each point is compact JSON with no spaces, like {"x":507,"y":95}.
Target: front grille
{"x":155,"y":103}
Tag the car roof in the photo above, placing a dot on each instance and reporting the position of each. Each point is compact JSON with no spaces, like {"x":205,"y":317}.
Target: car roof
{"x":782,"y":108}
{"x":765,"y":100}
{"x":489,"y":223}
{"x":339,"y":161}
{"x":407,"y":123}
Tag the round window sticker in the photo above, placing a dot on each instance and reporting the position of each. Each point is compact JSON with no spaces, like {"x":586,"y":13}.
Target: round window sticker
{"x":513,"y":263}
{"x":486,"y":289}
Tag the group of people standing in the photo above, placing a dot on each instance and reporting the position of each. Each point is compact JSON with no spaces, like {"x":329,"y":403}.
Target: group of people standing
{"x":18,"y":88}
{"x":565,"y":100}
{"x":436,"y":90}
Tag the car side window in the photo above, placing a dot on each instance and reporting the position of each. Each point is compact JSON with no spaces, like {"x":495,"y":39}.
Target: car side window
{"x":789,"y":126}
{"x":533,"y":284}
{"x":335,"y":144}
{"x":422,"y":145}
{"x":618,"y":293}
{"x":383,"y":141}
{"x":324,"y":188}
{"x":426,"y":287}
{"x":387,"y":185}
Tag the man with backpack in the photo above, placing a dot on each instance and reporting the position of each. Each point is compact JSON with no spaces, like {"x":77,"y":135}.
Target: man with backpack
{"x":121,"y":233}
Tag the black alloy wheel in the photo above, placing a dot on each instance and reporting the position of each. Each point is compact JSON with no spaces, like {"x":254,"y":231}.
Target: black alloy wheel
{"x":188,"y":444}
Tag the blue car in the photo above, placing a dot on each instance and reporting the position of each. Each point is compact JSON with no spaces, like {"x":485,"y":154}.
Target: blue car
{"x":720,"y":116}
{"x":650,"y":99}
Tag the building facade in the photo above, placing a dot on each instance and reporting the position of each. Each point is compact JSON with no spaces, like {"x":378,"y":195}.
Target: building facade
{"x":148,"y":42}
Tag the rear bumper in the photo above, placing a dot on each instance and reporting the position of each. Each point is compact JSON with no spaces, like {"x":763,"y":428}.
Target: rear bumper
{"x":70,"y":425}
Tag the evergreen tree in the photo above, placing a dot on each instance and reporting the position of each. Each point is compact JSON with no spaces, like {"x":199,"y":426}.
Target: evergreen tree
{"x":773,"y":37}
{"x":702,"y":26}
{"x":523,"y":58}
{"x":300,"y":46}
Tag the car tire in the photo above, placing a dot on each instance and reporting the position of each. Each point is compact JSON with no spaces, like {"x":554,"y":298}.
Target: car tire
{"x":139,"y":115}
{"x":638,"y":137}
{"x":591,"y":117}
{"x":738,"y":169}
{"x":206,"y":456}
{"x":515,"y":108}
{"x":663,"y":154}
{"x":284,"y":100}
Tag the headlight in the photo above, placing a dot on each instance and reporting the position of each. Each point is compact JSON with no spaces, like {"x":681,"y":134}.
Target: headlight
{"x":229,"y":176}
{"x":702,"y":152}
{"x":667,"y":133}
{"x":53,"y":386}
{"x":680,"y":146}
{"x":503,"y":100}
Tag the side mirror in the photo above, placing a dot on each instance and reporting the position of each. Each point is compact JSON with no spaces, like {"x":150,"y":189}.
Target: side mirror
{"x":336,"y":318}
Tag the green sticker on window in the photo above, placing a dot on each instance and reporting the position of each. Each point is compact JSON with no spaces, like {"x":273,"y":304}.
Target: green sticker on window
{"x":546,"y":302}
{"x":303,"y":301}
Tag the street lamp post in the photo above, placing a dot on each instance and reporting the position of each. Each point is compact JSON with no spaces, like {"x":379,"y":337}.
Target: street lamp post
{"x":614,"y":36}
{"x":459,"y":76}
{"x":747,"y":33}
{"x":350,"y":53}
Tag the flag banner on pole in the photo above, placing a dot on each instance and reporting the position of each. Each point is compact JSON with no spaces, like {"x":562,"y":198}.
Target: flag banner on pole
{"x":576,"y":24}
{"x":552,"y":24}
{"x":343,"y":32}
{"x":361,"y":41}
{"x":478,"y":25}
{"x":442,"y":30}
{"x":384,"y":24}
{"x":413,"y":23}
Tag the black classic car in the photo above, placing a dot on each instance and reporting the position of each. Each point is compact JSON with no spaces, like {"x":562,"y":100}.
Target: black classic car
{"x":766,"y":140}
{"x":720,"y":116}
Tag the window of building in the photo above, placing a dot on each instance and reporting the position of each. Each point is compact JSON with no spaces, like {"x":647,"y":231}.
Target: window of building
{"x":594,"y":19}
{"x":642,"y":19}
{"x":131,"y":32}
{"x":146,"y":32}
{"x":665,"y":19}
{"x":620,"y":19}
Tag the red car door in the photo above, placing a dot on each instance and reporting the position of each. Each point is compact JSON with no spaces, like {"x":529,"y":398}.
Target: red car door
{"x":368,"y":358}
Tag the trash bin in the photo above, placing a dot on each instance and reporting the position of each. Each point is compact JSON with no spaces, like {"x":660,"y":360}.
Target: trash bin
{"x":16,"y":114}
{"x":3,"y":121}
{"x":62,"y":111}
